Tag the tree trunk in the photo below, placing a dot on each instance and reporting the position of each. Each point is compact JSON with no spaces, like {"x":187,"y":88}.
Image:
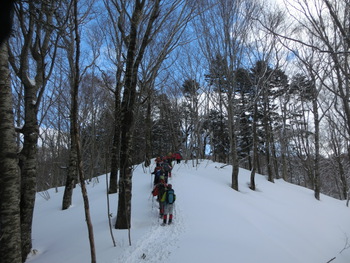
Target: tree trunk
{"x":274,"y":154}
{"x":10,"y":224}
{"x":125,"y":180}
{"x":233,"y":144}
{"x":148,"y":131}
{"x":27,"y":163}
{"x":76,"y":136}
{"x":317,"y":181}
{"x":115,"y":153}
{"x":72,"y":175}
{"x":133,"y":61}
{"x":113,"y":179}
{"x":284,"y":140}
{"x":31,"y":61}
{"x":343,"y":179}
{"x":235,"y":168}
{"x":255,"y":148}
{"x":267,"y":136}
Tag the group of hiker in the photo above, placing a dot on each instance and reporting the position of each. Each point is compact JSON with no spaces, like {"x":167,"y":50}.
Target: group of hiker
{"x":170,"y":157}
{"x":162,"y":189}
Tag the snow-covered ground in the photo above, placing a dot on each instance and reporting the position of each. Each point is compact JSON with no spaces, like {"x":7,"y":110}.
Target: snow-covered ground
{"x":277,"y":223}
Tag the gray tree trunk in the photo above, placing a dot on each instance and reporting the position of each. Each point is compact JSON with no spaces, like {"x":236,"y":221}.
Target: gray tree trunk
{"x":72,"y":175}
{"x":10,"y":224}
{"x":148,"y":132}
{"x":317,"y":179}
{"x":255,"y":148}
{"x":28,"y":165}
{"x":115,"y":153}
{"x":267,"y":136}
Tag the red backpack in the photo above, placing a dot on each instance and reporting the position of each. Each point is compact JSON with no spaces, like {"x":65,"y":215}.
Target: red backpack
{"x":155,"y":191}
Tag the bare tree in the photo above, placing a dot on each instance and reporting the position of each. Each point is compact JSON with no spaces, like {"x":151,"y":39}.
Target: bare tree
{"x":116,"y":54}
{"x":72,"y":45}
{"x":32,"y":61}
{"x":76,"y":132}
{"x":136,"y":50}
{"x":137,"y":27}
{"x":338,"y":160}
{"x":319,"y":21}
{"x":223,"y":28}
{"x":159,"y":55}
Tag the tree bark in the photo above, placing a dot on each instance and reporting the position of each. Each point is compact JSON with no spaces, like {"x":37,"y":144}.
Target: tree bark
{"x":10,"y":224}
{"x":72,"y":174}
{"x":255,"y":147}
{"x":148,"y":128}
{"x":317,"y":179}
{"x":115,"y":153}
{"x":28,"y":165}
{"x":127,"y":122}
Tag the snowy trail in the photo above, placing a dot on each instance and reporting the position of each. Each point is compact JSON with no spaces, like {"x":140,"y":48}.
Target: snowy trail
{"x":159,"y":242}
{"x":279,"y":222}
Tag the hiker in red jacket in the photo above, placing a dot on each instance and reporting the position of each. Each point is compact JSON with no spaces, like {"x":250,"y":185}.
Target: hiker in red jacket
{"x":177,"y":157}
{"x":158,"y":161}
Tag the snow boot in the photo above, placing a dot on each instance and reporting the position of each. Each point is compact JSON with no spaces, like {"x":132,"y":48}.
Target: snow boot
{"x":164,"y":220}
{"x":170,"y":219}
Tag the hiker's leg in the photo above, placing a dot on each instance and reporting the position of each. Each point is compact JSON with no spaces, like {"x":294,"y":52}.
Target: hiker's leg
{"x":161,"y":206}
{"x":170,"y":219}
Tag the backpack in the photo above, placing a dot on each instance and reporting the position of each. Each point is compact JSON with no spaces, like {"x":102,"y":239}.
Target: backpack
{"x":166,"y":167}
{"x":161,"y":190}
{"x":155,"y":191}
{"x":170,"y":196}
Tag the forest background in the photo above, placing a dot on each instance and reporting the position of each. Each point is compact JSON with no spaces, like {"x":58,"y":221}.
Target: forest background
{"x":95,"y":86}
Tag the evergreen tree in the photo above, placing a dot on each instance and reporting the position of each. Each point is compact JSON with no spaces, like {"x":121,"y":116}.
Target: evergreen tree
{"x":269,"y":83}
{"x":218,"y":78}
{"x":245,"y":94}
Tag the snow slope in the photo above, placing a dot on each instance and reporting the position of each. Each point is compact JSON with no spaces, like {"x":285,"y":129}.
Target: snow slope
{"x":278,"y":223}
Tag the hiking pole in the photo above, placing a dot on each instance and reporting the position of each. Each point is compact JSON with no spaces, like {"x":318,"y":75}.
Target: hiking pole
{"x":174,"y":209}
{"x":151,"y":195}
{"x":158,"y":214}
{"x":152,"y":201}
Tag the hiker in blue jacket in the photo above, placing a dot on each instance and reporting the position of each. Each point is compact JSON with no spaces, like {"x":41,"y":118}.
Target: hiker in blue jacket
{"x":168,"y":199}
{"x":158,"y":172}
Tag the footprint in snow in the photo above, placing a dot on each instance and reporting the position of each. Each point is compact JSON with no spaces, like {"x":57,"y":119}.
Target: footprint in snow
{"x":156,"y":245}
